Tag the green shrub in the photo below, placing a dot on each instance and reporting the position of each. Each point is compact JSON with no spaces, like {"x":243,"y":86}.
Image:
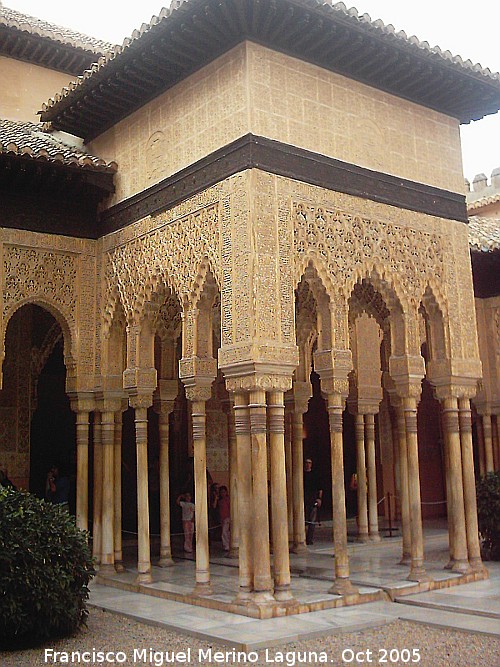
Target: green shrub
{"x":488,"y":511}
{"x":45,"y":567}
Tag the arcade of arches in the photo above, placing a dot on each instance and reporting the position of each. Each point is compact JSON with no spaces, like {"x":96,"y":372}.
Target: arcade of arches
{"x":258,"y":321}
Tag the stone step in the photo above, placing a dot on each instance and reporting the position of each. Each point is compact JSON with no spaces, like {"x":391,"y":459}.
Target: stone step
{"x":440,"y":618}
{"x":456,"y":603}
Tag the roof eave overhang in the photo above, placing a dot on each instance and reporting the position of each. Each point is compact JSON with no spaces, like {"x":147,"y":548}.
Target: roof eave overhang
{"x":199,"y":31}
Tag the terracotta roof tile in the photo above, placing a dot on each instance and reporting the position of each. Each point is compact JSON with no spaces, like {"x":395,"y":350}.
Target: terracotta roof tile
{"x":28,"y":140}
{"x":484,"y":234}
{"x":11,"y":18}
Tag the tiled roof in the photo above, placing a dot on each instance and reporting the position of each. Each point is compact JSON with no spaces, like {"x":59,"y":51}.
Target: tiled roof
{"x":484,"y":234}
{"x":11,"y":18}
{"x":483,"y":201}
{"x":27,"y":140}
{"x":191,"y":32}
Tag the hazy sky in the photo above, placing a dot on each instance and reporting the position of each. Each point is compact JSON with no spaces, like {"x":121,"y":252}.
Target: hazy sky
{"x":466,"y":29}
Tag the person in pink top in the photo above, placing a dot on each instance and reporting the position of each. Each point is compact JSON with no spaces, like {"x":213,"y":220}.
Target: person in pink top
{"x":225,"y":516}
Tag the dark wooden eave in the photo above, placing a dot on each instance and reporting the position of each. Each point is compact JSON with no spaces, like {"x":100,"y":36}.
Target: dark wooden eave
{"x":486,"y":273}
{"x":201,"y":30}
{"x":44,"y":52}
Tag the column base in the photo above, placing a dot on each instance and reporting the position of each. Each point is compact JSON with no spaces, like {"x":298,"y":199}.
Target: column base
{"x":284,"y":595}
{"x":405,"y":559}
{"x":202,"y":590}
{"x":461,"y":566}
{"x":244,"y":595}
{"x":375,"y":537}
{"x":144,"y":578}
{"x":363,"y":538}
{"x":419,"y":575}
{"x":449,"y":565}
{"x":478,"y":566}
{"x":165,"y":561}
{"x":343,"y":586}
{"x":107,"y":569}
{"x":262,"y":598}
{"x":119,"y":566}
{"x":299,"y":548}
{"x":234,"y":552}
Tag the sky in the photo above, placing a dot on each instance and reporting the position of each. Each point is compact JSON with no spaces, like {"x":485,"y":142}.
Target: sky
{"x":465,"y":29}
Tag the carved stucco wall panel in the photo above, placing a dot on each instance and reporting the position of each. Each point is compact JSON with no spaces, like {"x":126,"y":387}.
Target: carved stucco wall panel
{"x":57,"y":273}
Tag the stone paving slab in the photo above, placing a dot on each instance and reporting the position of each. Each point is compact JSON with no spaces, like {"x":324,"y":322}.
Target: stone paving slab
{"x":241,"y":632}
{"x":476,"y":605}
{"x":449,"y":620}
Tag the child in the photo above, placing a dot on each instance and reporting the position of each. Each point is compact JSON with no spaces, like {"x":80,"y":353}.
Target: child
{"x":184,"y":501}
{"x":225,"y":516}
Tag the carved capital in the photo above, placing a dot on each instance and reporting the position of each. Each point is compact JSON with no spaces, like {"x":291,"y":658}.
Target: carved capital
{"x":262,"y":381}
{"x":407,"y":372}
{"x":167,"y":390}
{"x":197,"y":393}
{"x":141,"y":379}
{"x":82,"y":401}
{"x":197,"y":375}
{"x":140,"y":400}
{"x":110,"y":401}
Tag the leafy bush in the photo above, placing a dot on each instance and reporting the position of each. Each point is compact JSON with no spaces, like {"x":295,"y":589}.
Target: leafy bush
{"x":488,"y":510}
{"x":45,"y":567}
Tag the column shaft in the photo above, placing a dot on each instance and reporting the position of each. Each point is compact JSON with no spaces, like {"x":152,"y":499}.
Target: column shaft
{"x":403,"y":476}
{"x":496,"y":441}
{"x":417,"y":570}
{"x":299,"y":530}
{"x":202,"y":586}
{"x":233,"y":485}
{"x":108,"y":441}
{"x":281,"y":560}
{"x":480,"y":445}
{"x":289,"y":468}
{"x":372,"y":477}
{"x":165,"y":547}
{"x":456,"y":508}
{"x":342,"y":584}
{"x":469,"y":483}
{"x":97,"y":498}
{"x":141,"y":440}
{"x":118,"y":492}
{"x":262,"y":581}
{"x":82,"y":469}
{"x":488,"y":443}
{"x":244,"y":473}
{"x":361,"y":477}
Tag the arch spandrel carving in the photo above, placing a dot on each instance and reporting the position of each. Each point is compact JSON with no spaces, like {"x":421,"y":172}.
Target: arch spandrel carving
{"x":168,"y":250}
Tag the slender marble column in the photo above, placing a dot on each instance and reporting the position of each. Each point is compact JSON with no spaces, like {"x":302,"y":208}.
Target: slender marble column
{"x":262,"y":581}
{"x":372,"y":477}
{"x":299,"y":524}
{"x":289,"y":467}
{"x":202,"y":586}
{"x":82,"y":469}
{"x":456,"y":509}
{"x":244,"y":463}
{"x":480,"y":445}
{"x":469,"y":483}
{"x":97,"y":517}
{"x":403,"y":476}
{"x":233,"y":484}
{"x":144,"y":550}
{"x":281,"y":560}
{"x":488,"y":443}
{"x":361,"y":476}
{"x":342,"y":584}
{"x":118,"y":492}
{"x":417,"y":569}
{"x":165,"y":547}
{"x":108,"y":437}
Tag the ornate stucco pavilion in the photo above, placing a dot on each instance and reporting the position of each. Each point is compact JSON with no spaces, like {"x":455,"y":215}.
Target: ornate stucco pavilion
{"x":278,"y":190}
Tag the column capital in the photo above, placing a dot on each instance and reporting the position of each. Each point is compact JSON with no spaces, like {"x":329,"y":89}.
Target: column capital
{"x":407,"y":372}
{"x":140,"y":400}
{"x":255,"y":376}
{"x":82,"y":401}
{"x":110,"y":401}
{"x":142,"y":380}
{"x":333,"y":368}
{"x":197,"y":374}
{"x":166,"y":391}
{"x":298,"y":397}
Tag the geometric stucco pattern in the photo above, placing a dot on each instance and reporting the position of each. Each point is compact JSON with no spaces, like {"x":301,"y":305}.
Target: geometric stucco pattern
{"x":167,"y":250}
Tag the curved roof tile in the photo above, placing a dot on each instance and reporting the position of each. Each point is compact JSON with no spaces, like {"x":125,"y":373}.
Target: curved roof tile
{"x":28,"y":140}
{"x":484,"y":234}
{"x":11,"y":18}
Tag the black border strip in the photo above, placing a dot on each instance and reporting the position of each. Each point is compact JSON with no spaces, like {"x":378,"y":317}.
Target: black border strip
{"x":281,"y":159}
